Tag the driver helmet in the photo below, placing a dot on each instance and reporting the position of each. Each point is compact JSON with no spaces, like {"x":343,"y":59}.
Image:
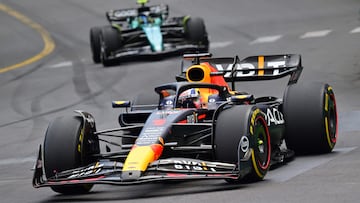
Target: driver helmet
{"x":190,"y":99}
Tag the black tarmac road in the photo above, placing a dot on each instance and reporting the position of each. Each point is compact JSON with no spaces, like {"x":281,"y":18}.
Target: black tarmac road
{"x":44,"y":76}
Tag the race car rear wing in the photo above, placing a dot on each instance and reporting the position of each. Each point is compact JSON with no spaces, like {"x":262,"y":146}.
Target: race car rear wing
{"x":123,"y":14}
{"x":263,"y":67}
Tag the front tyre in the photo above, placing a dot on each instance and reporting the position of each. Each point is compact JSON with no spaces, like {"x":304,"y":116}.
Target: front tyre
{"x":242,"y":137}
{"x":95,"y":44}
{"x":110,"y":42}
{"x":63,"y":150}
{"x":310,"y":118}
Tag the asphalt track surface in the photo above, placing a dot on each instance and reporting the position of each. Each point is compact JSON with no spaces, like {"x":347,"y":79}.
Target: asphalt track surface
{"x":325,"y":32}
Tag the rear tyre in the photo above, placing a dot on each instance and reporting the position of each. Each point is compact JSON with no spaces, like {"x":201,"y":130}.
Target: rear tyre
{"x":195,"y":31}
{"x":61,"y":151}
{"x":95,"y":44}
{"x":110,"y":42}
{"x":242,"y":137}
{"x":310,"y":118}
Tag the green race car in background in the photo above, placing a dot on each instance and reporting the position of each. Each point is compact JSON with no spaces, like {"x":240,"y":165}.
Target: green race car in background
{"x":146,"y":31}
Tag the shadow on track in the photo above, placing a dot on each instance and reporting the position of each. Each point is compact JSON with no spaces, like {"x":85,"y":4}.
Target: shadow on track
{"x":139,"y":192}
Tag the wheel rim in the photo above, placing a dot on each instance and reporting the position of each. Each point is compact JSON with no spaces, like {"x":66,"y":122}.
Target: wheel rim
{"x":262,"y":146}
{"x":331,"y":118}
{"x":102,"y":49}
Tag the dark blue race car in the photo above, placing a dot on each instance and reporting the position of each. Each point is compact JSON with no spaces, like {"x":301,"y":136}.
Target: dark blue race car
{"x":196,"y":128}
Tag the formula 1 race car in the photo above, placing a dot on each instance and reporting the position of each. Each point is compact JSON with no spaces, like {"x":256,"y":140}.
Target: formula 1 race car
{"x":146,"y":31}
{"x":198,"y":128}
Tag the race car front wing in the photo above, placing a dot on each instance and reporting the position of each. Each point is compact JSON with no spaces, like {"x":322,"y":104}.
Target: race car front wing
{"x":111,"y":172}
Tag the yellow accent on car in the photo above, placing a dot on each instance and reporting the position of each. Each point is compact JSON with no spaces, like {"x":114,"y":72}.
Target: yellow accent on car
{"x":242,"y":96}
{"x":195,"y":68}
{"x":119,"y":102}
{"x":326,"y":102}
{"x":254,"y":116}
{"x":117,"y":26}
{"x":203,"y":164}
{"x":81,"y":137}
{"x":331,"y":144}
{"x":185,"y":19}
{"x":161,"y":140}
{"x":142,"y":1}
{"x":139,"y":158}
{"x":261,"y":65}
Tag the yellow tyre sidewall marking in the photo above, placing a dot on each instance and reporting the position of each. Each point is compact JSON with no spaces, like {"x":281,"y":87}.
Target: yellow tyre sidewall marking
{"x":260,"y":175}
{"x":328,"y":136}
{"x":253,"y":158}
{"x":49,"y":44}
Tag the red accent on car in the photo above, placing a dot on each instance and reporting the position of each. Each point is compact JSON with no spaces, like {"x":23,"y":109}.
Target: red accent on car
{"x":157,"y":148}
{"x":202,"y":116}
{"x":159,"y":122}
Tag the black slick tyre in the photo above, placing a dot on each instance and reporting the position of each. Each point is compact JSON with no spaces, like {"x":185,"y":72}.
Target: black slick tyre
{"x":242,"y":137}
{"x":195,"y":31}
{"x":310,"y":118}
{"x":95,"y":44}
{"x":110,"y":42}
{"x":61,"y":151}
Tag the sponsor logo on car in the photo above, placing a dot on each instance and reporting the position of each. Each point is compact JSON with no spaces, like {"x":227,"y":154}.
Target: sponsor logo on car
{"x":274,"y":116}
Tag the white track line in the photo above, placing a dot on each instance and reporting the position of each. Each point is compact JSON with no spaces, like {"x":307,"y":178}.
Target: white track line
{"x":312,"y":34}
{"x":266,"y":39}
{"x":220,"y":44}
{"x":356,"y":30}
{"x":62,"y":64}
